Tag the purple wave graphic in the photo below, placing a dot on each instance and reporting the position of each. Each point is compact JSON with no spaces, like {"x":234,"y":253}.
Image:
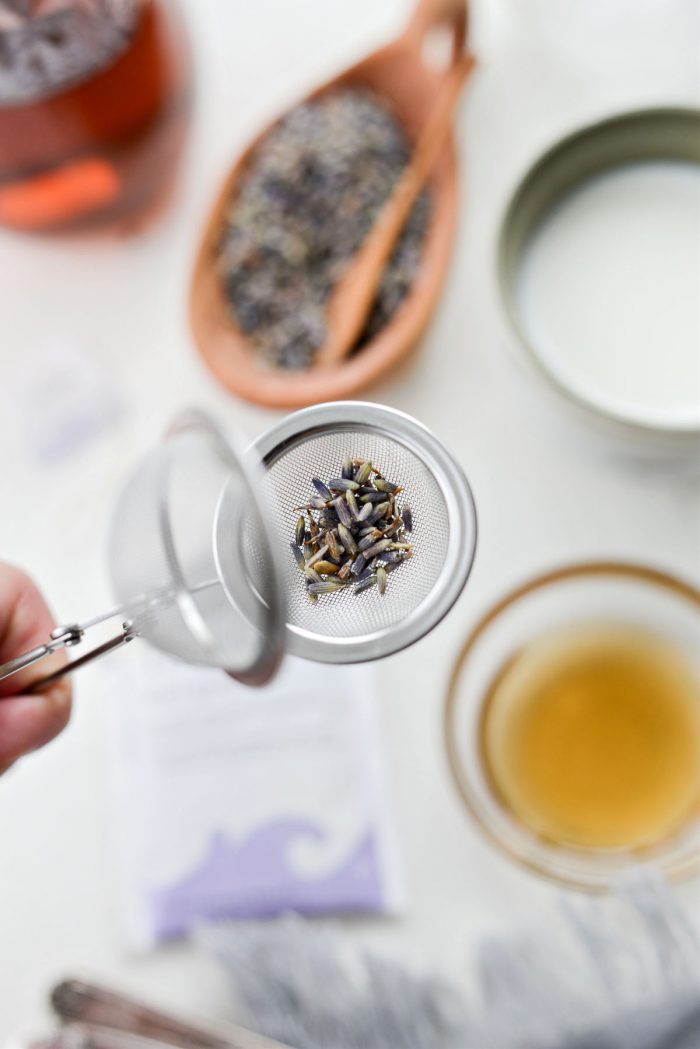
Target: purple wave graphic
{"x":254,"y":879}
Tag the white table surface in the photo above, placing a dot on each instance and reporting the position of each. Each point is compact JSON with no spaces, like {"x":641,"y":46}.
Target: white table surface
{"x":545,"y":492}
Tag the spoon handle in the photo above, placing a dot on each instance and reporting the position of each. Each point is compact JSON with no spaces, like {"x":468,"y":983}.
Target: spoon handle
{"x":75,"y":1001}
{"x":431,"y":13}
{"x":355,"y":292}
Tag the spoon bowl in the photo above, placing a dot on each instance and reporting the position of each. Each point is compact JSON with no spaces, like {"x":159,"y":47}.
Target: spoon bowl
{"x":398,"y":74}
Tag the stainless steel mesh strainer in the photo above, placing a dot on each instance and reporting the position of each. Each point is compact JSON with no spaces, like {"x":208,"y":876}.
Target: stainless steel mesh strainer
{"x":199,"y":546}
{"x":345,"y":627}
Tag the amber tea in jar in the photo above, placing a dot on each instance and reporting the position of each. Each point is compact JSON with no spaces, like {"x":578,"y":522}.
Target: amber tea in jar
{"x":94,"y":101}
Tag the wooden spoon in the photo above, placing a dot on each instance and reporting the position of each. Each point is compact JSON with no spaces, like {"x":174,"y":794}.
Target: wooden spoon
{"x":399,"y":74}
{"x":355,"y":293}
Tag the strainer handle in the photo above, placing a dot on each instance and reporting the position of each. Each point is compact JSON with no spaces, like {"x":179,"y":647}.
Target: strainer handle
{"x":64,"y":637}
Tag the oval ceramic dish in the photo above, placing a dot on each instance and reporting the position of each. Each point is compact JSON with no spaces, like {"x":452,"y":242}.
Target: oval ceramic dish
{"x":398,"y":74}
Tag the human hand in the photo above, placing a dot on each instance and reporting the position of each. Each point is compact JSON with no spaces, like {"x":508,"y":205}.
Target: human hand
{"x":27,"y":721}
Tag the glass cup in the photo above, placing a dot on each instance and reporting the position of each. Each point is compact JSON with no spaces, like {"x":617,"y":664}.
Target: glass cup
{"x":94,"y":106}
{"x":631,"y":595}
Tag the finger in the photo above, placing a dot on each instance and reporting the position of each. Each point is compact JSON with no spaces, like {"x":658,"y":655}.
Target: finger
{"x":28,"y":722}
{"x":25,"y":622}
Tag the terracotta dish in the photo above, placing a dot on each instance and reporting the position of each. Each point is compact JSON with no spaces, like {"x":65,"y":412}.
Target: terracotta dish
{"x":398,"y":73}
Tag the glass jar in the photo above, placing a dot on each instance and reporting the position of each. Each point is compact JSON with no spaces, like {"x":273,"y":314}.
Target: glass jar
{"x":94,"y":105}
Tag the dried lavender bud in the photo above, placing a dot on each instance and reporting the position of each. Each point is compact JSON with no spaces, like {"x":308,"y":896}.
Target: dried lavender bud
{"x":298,"y":555}
{"x":347,"y":472}
{"x":382,"y":485}
{"x":326,"y":587}
{"x":391,"y":557}
{"x":377,"y":548}
{"x":358,"y":564}
{"x":380,"y":510}
{"x":340,"y":484}
{"x":325,"y":568}
{"x":318,"y":556}
{"x":333,"y":546}
{"x":368,"y":540}
{"x":343,"y":511}
{"x":347,"y":539}
{"x":352,"y":504}
{"x":321,"y":489}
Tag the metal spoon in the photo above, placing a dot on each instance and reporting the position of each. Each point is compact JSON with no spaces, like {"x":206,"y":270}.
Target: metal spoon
{"x":76,"y":1001}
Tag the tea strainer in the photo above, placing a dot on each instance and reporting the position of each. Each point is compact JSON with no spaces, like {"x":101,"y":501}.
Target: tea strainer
{"x":346,"y":627}
{"x":199,"y":551}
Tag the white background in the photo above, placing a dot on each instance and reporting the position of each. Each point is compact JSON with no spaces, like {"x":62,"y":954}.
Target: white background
{"x":545,"y":491}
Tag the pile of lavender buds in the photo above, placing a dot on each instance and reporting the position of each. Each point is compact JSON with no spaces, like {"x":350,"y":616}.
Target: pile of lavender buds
{"x":307,"y":200}
{"x":50,"y":44}
{"x":351,"y":533}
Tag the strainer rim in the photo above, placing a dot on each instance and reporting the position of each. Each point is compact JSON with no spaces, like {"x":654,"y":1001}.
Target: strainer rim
{"x":392,"y":424}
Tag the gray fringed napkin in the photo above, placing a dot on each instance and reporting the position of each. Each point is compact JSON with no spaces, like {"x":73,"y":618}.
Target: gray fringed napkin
{"x":615,"y":973}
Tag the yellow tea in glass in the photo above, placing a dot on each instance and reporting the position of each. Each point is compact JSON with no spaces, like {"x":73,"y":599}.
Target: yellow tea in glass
{"x":590,"y":736}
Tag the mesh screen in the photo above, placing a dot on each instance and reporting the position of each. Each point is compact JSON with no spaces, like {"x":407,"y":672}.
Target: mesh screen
{"x":346,"y":614}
